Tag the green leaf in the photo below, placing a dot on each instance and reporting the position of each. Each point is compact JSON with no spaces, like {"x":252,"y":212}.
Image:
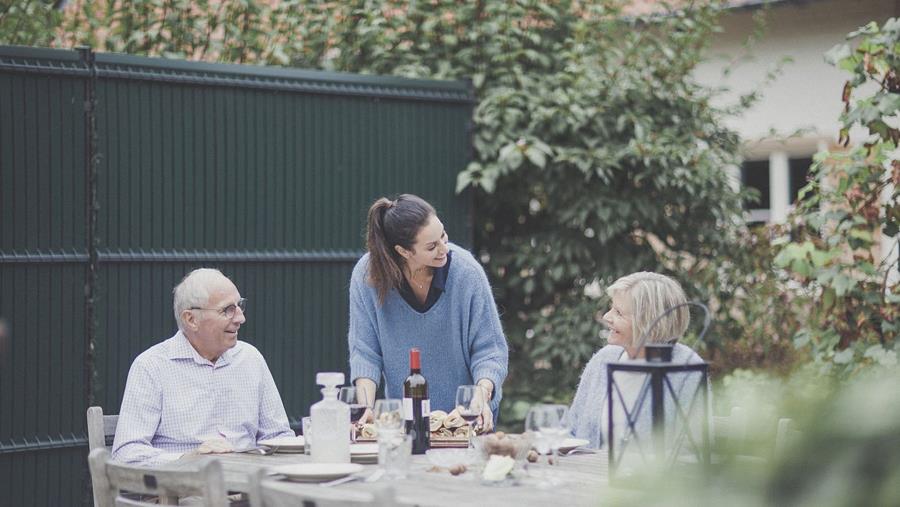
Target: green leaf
{"x":801,"y":339}
{"x":837,"y":53}
{"x":828,"y":298}
{"x":536,"y":156}
{"x":861,"y":234}
{"x":842,"y":284}
{"x":820,"y":258}
{"x":463,"y":179}
{"x":843,"y":357}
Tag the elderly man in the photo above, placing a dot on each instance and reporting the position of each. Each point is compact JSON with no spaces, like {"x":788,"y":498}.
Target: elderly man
{"x":201,"y":390}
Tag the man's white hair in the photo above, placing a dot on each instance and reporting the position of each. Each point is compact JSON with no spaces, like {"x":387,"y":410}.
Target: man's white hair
{"x":651,"y":294}
{"x":193,"y":290}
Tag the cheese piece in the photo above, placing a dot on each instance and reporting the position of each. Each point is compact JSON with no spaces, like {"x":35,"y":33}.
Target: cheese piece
{"x":497,"y":468}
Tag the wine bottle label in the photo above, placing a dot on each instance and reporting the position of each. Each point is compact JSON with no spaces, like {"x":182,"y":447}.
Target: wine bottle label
{"x":426,"y":408}
{"x":408,"y":409}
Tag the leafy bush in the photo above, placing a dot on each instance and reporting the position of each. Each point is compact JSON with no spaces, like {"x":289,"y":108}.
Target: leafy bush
{"x":28,"y":22}
{"x":850,"y":290}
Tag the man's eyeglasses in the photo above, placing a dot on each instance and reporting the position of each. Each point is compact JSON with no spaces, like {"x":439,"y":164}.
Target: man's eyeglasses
{"x":229,"y":310}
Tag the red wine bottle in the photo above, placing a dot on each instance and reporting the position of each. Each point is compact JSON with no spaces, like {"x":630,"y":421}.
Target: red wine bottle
{"x":416,"y":406}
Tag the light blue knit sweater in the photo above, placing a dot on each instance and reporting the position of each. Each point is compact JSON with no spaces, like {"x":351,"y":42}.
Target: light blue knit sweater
{"x":460,"y":337}
{"x":584,"y":414}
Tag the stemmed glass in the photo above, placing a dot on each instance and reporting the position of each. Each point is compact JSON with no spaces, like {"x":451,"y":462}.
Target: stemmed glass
{"x":394,"y":445}
{"x":548,"y":424}
{"x":469,"y":404}
{"x":356,"y":398}
{"x":389,"y":416}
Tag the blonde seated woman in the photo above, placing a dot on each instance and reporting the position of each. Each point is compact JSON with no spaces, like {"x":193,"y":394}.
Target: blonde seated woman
{"x":637,"y":300}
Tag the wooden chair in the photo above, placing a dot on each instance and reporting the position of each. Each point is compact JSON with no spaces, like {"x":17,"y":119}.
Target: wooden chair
{"x":730,"y":440}
{"x":731,"y":428}
{"x":101,"y":428}
{"x":262,"y":494}
{"x":109,"y":479}
{"x":785,"y":436}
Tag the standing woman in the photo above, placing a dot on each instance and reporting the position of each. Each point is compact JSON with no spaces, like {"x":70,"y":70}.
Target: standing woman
{"x":416,"y":289}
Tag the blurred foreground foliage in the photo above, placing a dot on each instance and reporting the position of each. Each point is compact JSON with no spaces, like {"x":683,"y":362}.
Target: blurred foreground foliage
{"x":844,"y":450}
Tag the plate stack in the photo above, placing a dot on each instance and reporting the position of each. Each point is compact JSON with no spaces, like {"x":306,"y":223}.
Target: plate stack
{"x":285,"y":444}
{"x":366,"y":453}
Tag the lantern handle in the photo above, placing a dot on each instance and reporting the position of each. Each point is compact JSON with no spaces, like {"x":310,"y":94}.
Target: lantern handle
{"x":706,"y":321}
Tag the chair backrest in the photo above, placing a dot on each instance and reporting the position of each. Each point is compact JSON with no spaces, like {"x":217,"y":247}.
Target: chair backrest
{"x":101,"y":428}
{"x":109,"y":479}
{"x":785,"y":436}
{"x":263,"y":493}
{"x":731,"y":428}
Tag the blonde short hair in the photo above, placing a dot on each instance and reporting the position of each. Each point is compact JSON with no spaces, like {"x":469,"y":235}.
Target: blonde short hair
{"x":652,"y":294}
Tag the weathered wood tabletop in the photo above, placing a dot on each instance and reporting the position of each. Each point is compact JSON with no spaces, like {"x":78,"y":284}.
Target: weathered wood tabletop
{"x":578,"y":479}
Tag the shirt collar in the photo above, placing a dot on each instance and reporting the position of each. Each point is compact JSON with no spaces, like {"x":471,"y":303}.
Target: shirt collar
{"x":181,"y":348}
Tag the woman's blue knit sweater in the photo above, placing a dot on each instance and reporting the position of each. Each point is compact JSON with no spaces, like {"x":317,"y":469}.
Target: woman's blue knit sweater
{"x":460,"y":337}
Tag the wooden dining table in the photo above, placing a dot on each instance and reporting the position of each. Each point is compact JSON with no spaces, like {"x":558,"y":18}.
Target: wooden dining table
{"x":578,"y":479}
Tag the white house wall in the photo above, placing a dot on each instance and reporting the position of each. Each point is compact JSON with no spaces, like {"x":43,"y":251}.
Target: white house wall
{"x":808,"y":92}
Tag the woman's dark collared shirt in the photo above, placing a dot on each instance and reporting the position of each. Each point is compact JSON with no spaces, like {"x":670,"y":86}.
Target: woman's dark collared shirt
{"x":438,"y":281}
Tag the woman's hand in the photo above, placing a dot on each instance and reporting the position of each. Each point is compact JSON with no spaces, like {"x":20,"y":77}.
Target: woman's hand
{"x":366,"y":392}
{"x":486,"y":420}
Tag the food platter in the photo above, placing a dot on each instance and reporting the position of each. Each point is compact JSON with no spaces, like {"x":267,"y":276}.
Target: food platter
{"x":448,"y":430}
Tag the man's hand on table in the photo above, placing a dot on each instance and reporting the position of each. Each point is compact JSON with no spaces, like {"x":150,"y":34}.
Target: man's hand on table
{"x":214,"y":445}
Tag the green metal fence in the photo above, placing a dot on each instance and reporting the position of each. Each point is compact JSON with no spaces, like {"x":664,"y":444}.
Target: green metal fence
{"x":119,"y":174}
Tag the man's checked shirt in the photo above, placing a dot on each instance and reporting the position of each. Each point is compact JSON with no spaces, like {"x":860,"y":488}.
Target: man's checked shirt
{"x":175,"y":399}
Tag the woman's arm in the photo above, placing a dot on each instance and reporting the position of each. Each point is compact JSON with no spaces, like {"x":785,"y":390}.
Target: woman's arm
{"x":489,"y":353}
{"x":362,"y":337}
{"x":583,"y":417}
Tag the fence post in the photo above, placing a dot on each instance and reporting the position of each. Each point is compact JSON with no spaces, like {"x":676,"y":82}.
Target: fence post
{"x":87,"y":55}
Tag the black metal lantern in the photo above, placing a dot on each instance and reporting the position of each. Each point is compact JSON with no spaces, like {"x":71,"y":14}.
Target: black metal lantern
{"x":678,"y":425}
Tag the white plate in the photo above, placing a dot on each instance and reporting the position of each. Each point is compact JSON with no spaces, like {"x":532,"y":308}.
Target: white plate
{"x":571,"y":443}
{"x":317,"y":472}
{"x":285,"y":444}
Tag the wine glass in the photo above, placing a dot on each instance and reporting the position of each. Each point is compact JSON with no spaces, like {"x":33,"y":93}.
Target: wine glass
{"x":389,"y":416}
{"x":469,"y":405}
{"x":356,"y":398}
{"x":548,"y":424}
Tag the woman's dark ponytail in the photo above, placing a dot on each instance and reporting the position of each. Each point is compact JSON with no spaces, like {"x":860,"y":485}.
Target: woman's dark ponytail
{"x":391,"y":223}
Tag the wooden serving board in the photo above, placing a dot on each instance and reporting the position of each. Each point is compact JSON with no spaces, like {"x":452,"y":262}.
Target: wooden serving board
{"x":449,"y":443}
{"x":437,"y":443}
